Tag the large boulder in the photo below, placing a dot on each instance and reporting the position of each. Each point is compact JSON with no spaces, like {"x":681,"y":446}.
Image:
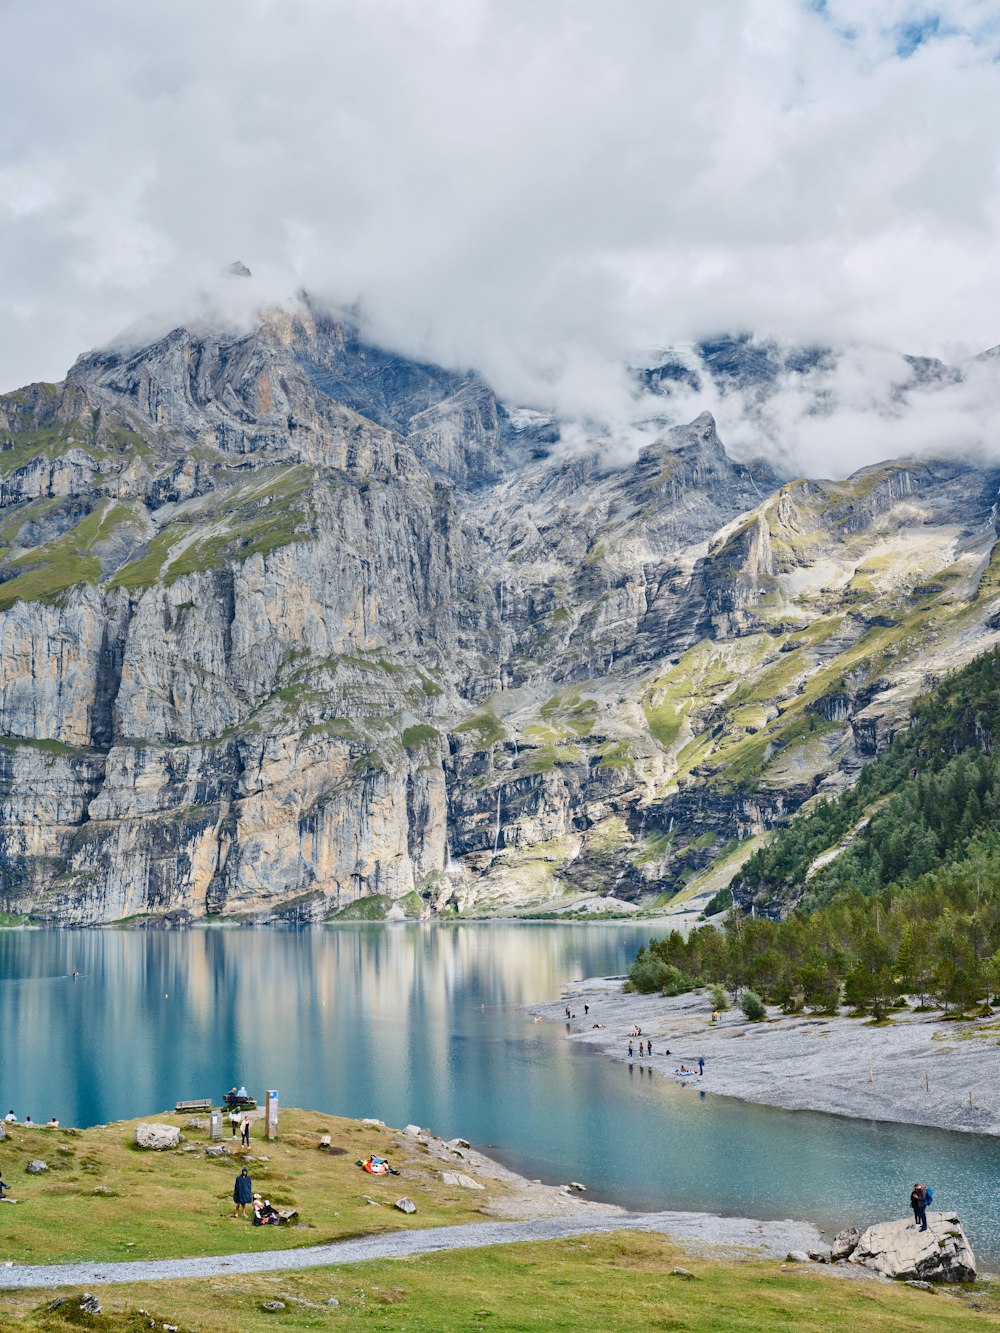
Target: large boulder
{"x":157,"y":1136}
{"x":897,"y":1249}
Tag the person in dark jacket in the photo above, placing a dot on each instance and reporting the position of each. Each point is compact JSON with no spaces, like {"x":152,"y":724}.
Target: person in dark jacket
{"x":242,"y":1193}
{"x":918,"y":1202}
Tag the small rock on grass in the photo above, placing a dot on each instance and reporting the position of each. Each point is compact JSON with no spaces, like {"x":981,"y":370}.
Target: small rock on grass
{"x":797,"y":1257}
{"x":273,"y":1305}
{"x":921,"y":1286}
{"x":461,"y":1180}
{"x":682,"y":1272}
{"x":819,"y":1256}
{"x":405,"y":1205}
{"x":36,"y":1167}
{"x":90,"y":1304}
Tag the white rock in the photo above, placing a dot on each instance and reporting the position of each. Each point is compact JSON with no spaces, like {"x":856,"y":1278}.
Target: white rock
{"x":897,"y":1249}
{"x":405,"y":1205}
{"x":157,"y":1136}
{"x":373,"y":1123}
{"x":460,"y":1179}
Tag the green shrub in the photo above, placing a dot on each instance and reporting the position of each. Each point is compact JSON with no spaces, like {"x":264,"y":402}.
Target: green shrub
{"x":752,"y":1006}
{"x":649,"y":974}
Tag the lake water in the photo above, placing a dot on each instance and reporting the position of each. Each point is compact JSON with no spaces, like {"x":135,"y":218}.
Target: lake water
{"x":424,"y":1023}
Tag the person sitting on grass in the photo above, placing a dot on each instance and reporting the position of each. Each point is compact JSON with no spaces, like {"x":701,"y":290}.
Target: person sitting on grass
{"x":264,"y":1213}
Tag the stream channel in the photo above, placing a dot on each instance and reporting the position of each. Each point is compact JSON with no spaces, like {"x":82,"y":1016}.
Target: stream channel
{"x":425,"y":1023}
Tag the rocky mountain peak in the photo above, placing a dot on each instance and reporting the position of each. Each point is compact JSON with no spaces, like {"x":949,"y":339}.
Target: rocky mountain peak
{"x":291,"y":621}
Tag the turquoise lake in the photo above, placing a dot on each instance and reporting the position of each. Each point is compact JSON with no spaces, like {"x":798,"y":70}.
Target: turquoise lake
{"x":425,"y":1023}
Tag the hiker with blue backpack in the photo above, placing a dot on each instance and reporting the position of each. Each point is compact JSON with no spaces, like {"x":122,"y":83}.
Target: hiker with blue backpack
{"x":920,"y":1197}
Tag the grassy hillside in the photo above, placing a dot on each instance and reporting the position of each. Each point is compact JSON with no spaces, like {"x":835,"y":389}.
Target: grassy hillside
{"x":103,"y":1199}
{"x":585,"y":1284}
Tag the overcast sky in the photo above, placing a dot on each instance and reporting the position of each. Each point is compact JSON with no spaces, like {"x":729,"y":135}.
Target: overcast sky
{"x":534,"y":187}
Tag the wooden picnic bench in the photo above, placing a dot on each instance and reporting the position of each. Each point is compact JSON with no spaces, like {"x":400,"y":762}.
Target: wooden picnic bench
{"x":197,"y":1104}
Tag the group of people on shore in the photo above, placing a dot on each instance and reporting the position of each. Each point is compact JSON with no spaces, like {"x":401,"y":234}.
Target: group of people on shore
{"x":11,"y":1119}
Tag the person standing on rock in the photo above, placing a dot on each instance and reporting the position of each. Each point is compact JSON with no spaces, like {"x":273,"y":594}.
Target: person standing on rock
{"x":918,"y":1202}
{"x":242,"y":1193}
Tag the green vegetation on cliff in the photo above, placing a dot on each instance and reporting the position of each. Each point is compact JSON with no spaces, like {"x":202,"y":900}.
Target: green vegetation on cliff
{"x":932,"y":800}
{"x":909,"y":901}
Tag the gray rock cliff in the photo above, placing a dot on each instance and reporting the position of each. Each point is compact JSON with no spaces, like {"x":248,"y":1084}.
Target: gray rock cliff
{"x":289,"y":624}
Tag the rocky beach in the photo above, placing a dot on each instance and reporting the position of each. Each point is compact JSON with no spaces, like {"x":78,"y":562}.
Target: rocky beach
{"x":915,"y":1069}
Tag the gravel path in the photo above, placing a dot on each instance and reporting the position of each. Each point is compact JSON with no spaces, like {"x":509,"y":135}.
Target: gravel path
{"x":696,"y":1230}
{"x":917,"y":1070}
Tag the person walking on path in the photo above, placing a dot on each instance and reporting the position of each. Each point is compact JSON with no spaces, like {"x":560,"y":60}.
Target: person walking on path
{"x":649,"y":1047}
{"x":245,"y":1134}
{"x":630,"y":1050}
{"x":242,"y":1193}
{"x":918,"y":1202}
{"x":701,"y":1065}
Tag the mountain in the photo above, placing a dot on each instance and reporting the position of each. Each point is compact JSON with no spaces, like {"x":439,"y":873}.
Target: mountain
{"x":292,"y":626}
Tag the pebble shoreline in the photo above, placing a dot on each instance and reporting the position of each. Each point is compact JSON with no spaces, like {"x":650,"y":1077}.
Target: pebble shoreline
{"x":916,"y":1070}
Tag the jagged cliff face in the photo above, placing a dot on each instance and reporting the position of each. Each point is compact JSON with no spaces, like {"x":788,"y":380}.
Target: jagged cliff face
{"x":287,"y":623}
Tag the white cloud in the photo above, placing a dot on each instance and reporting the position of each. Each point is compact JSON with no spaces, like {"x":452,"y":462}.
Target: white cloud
{"x":533,"y":189}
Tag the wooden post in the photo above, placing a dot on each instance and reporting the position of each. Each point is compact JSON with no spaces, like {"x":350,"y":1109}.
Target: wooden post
{"x":869,"y":1069}
{"x":271,"y":1113}
{"x":927,"y":1086}
{"x":970,"y":1096}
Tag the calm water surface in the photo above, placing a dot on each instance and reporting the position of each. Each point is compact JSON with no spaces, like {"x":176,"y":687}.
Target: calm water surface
{"x":423,"y":1023}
